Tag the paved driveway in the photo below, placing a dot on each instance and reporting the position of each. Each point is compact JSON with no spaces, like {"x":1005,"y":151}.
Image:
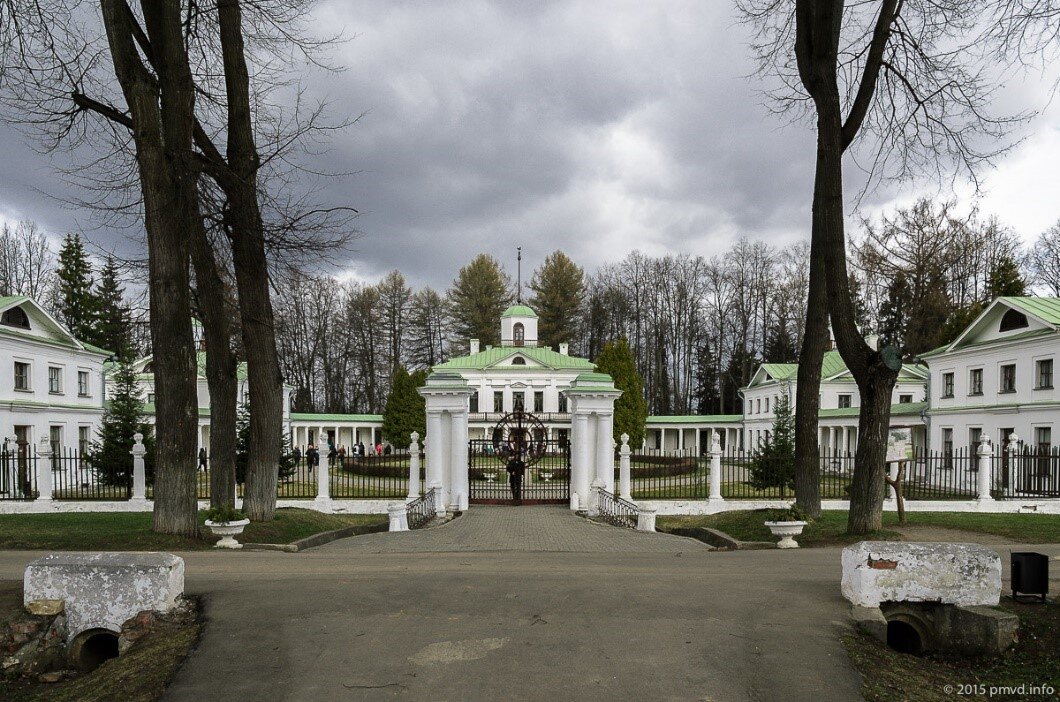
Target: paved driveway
{"x":556,"y":609}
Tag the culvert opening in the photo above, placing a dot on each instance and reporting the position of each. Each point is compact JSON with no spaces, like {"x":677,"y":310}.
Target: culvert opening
{"x":93,"y":648}
{"x":904,"y":637}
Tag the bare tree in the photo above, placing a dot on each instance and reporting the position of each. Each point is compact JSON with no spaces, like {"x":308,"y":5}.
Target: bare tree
{"x":26,"y":262}
{"x":904,"y":83}
{"x":1045,"y":259}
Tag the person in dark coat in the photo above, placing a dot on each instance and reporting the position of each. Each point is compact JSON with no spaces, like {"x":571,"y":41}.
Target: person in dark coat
{"x":312,"y":457}
{"x":516,"y":469}
{"x":203,"y":459}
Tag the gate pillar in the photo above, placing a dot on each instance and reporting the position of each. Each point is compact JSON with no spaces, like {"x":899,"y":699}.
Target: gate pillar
{"x":446,"y":394}
{"x":591,"y":398}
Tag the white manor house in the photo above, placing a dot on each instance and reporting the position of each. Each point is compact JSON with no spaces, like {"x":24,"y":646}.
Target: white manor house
{"x":995,"y":380}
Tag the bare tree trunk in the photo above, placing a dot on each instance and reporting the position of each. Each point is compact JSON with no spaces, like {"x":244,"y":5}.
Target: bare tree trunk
{"x":162,"y":119}
{"x":220,"y":370}
{"x":252,"y":276}
{"x":807,"y":390}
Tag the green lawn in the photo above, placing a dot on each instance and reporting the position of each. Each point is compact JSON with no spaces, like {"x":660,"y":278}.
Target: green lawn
{"x":122,"y":531}
{"x":830,"y":529}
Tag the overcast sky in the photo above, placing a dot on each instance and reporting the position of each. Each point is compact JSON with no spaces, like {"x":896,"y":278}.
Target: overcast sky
{"x":595,"y":127}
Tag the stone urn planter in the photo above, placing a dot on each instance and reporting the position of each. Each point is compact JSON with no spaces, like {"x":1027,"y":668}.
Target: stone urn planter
{"x":545,"y":475}
{"x":227,"y":531}
{"x":786,"y":530}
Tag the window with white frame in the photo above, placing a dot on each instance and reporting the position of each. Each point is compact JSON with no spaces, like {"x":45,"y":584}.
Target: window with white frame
{"x":1043,"y":374}
{"x":947,"y":384}
{"x":1043,"y":438}
{"x":55,"y":380}
{"x":1008,"y":378}
{"x":905,"y":399}
{"x":55,"y":438}
{"x":22,"y":375}
{"x":974,"y":436}
{"x":844,"y":401}
{"x":975,"y":381}
{"x":84,"y":439}
{"x":947,"y":447}
{"x":83,"y":386}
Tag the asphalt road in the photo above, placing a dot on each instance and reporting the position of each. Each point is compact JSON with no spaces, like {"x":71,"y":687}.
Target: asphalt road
{"x":662,"y":618}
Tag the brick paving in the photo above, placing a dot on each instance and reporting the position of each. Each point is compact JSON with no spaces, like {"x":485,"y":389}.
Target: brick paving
{"x":545,"y":528}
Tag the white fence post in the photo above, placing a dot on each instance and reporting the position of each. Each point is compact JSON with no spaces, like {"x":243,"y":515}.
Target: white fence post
{"x":44,"y":469}
{"x":322,"y":503}
{"x":414,"y":467}
{"x":399,"y":516}
{"x":715,"y":467}
{"x":594,"y":500}
{"x":985,"y":476}
{"x":624,"y":482}
{"x":646,"y":519}
{"x":139,"y":476}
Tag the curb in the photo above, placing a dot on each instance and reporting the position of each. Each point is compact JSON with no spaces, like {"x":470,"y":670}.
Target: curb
{"x":320,"y":539}
{"x":718,"y":539}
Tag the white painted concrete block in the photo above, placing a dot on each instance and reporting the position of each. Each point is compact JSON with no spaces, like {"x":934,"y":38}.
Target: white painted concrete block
{"x":103,"y":590}
{"x":886,"y":571}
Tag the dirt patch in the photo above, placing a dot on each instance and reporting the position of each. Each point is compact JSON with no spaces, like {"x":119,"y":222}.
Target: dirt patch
{"x":154,"y":651}
{"x":943,"y":534}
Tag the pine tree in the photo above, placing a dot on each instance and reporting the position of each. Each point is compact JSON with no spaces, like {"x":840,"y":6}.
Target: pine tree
{"x":285,"y":456}
{"x":559,"y":291}
{"x":773,"y":464}
{"x":109,"y":454}
{"x":780,"y":344}
{"x":406,"y":409}
{"x":76,"y":304}
{"x":631,"y":409}
{"x":1005,"y":280}
{"x":707,"y":393}
{"x":478,"y":297}
{"x":892,"y":313}
{"x":113,"y":318}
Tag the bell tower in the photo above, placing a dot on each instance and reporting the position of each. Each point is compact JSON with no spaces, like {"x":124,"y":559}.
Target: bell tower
{"x":519,"y":326}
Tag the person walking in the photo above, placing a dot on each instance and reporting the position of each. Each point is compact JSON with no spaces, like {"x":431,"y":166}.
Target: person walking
{"x":516,"y":469}
{"x":203,"y":459}
{"x":312,"y":457}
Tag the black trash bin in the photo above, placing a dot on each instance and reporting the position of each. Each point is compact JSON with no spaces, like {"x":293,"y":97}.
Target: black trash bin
{"x":1030,"y":575}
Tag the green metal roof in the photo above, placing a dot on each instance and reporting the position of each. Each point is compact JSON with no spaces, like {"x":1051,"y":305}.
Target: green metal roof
{"x":832,"y":364}
{"x":323,"y":417}
{"x":545,"y":356}
{"x":1046,"y":308}
{"x":904,"y":409}
{"x":696,"y":419}
{"x":519,"y":311}
{"x":781,"y":371}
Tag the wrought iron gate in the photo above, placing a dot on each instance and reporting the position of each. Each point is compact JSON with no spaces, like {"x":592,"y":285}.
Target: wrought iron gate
{"x":519,"y":436}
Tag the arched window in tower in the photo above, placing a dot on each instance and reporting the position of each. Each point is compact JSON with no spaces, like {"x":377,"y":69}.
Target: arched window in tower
{"x":15,"y":317}
{"x":1013,"y":319}
{"x":518,"y":333}
{"x":518,"y":361}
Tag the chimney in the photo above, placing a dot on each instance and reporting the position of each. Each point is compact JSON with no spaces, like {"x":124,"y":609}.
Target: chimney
{"x":474,"y":346}
{"x":563,"y":348}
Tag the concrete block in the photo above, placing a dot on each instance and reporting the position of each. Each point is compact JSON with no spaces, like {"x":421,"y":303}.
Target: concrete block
{"x":884,"y":571}
{"x":103,"y":590}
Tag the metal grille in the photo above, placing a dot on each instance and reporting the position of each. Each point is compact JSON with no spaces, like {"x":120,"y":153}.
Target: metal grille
{"x":545,"y":482}
{"x":422,"y":511}
{"x":614,"y":510}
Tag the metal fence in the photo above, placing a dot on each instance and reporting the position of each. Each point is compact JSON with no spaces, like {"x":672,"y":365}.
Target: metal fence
{"x":421,"y":511}
{"x":614,"y":510}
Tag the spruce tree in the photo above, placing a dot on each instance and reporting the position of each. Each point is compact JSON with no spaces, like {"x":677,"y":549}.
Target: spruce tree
{"x":707,"y":393}
{"x":124,"y":417}
{"x":773,"y":463}
{"x":631,"y":409}
{"x":285,"y":456}
{"x":1005,"y":280}
{"x":476,"y":300}
{"x":406,"y":409}
{"x":113,"y":319}
{"x":76,"y":303}
{"x":559,"y":292}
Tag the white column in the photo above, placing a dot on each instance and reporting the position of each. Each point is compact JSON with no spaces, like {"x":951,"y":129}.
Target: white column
{"x":699,"y":447}
{"x":985,"y":476}
{"x":580,"y":461}
{"x":435,"y":450}
{"x":715,"y":468}
{"x":458,"y":481}
{"x":414,"y":466}
{"x":44,"y":469}
{"x":605,"y":450}
{"x":624,"y":482}
{"x":139,"y":476}
{"x":680,"y":438}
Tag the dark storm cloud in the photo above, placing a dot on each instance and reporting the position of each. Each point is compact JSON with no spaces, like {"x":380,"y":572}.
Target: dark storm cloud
{"x":592,"y":127}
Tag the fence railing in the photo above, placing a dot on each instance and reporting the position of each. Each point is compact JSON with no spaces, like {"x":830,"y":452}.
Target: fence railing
{"x":614,"y":510}
{"x":422,"y":510}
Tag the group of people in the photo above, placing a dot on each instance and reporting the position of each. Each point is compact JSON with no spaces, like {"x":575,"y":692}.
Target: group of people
{"x":338,"y":453}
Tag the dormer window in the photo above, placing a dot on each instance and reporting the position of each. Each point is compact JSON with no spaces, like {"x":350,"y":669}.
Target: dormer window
{"x":519,"y":333}
{"x":1013,"y":320}
{"x":518,"y":361}
{"x":15,"y":317}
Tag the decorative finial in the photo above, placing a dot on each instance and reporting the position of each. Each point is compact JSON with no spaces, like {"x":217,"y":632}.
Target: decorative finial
{"x":519,"y":275}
